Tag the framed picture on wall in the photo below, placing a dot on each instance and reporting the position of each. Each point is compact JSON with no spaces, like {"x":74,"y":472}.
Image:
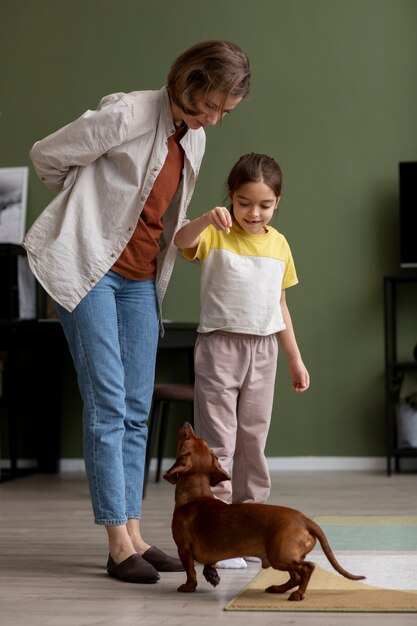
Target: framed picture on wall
{"x":13,"y":197}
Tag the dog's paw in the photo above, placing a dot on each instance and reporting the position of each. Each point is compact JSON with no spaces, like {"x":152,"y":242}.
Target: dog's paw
{"x":295,"y":596}
{"x":213,"y":579}
{"x":277,"y":589}
{"x":187,"y":588}
{"x":211,"y":575}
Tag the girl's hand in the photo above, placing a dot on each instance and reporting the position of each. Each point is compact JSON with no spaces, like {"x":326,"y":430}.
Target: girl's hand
{"x":300,"y":377}
{"x":220,"y":218}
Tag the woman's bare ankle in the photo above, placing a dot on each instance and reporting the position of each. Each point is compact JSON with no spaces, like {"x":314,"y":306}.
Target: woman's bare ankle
{"x":120,"y":543}
{"x":133,"y":529}
{"x":121,"y":555}
{"x":140,"y":546}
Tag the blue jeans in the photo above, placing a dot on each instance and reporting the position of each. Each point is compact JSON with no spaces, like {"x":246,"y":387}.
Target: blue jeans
{"x":113,"y":337}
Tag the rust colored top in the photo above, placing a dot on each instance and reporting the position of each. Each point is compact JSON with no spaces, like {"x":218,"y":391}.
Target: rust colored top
{"x":138,"y":259}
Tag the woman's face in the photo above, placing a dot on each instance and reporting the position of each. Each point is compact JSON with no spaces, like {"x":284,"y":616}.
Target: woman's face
{"x":210,"y":106}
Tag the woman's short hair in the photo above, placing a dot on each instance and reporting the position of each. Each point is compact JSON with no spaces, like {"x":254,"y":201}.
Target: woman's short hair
{"x":208,"y":65}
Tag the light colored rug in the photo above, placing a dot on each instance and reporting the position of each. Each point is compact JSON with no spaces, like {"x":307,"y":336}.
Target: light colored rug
{"x":382,"y":548}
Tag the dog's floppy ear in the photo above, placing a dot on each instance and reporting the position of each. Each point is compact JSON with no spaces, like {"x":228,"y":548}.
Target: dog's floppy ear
{"x":218,"y":474}
{"x":181,"y":465}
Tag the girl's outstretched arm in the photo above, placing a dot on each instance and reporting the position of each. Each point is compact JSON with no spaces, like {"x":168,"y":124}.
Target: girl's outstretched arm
{"x":189,"y":235}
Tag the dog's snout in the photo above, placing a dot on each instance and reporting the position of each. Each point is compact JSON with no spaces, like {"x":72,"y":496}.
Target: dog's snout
{"x":186,"y":430}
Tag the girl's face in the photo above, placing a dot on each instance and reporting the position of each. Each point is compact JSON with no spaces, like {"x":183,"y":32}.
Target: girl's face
{"x":253,"y":206}
{"x":210,"y":107}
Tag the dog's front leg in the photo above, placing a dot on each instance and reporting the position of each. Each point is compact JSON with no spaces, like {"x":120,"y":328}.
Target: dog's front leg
{"x":211,"y":574}
{"x":187,"y":559}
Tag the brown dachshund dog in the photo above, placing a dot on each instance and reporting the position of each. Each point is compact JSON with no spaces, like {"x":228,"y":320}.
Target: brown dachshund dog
{"x":208,"y":530}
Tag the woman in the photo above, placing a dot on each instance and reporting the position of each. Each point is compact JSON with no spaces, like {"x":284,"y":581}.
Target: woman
{"x":103,"y":249}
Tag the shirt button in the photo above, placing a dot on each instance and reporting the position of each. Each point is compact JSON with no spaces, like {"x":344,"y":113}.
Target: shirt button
{"x":143,"y":198}
{"x":92,"y":279}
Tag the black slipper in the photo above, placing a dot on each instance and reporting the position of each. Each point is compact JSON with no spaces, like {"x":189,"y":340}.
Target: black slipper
{"x":161,"y":561}
{"x":134,"y":569}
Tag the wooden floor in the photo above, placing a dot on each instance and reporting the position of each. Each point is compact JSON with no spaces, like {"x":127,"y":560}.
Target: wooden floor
{"x":52,"y":557}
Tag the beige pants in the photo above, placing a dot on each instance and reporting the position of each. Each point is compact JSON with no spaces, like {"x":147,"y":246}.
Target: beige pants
{"x":234,"y":390}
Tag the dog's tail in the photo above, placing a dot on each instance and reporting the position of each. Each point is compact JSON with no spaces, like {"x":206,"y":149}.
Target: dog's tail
{"x":317,"y":532}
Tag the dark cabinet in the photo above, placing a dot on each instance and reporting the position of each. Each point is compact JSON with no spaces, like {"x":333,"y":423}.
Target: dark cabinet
{"x":17,"y":284}
{"x":395,"y":369}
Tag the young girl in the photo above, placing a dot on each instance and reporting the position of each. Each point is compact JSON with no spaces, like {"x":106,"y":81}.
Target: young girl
{"x":103,"y":249}
{"x":246,"y":267}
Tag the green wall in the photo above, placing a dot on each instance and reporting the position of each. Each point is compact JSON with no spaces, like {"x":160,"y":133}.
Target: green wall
{"x":334,"y":100}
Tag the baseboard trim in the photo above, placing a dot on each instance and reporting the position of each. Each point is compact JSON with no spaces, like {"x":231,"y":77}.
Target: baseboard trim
{"x":326,"y":463}
{"x":284,"y":464}
{"x":292,"y":464}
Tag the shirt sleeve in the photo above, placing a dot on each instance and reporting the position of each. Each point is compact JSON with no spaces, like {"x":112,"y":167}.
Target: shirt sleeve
{"x":290,"y":275}
{"x":200,"y":253}
{"x":81,"y":142}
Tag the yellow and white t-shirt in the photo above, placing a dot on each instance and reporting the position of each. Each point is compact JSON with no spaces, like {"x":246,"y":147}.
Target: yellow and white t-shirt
{"x":242,"y":276}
